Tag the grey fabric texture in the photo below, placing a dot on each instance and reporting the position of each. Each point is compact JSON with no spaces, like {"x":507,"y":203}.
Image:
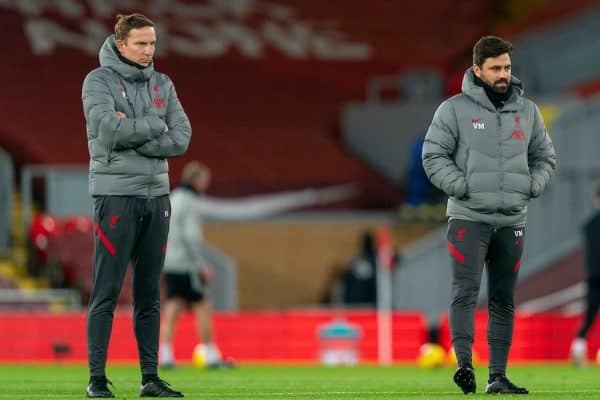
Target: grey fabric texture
{"x":128,"y":155}
{"x":184,"y":250}
{"x":489,"y":161}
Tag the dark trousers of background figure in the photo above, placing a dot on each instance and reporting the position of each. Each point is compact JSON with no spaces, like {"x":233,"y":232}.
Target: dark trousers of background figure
{"x":591,"y":234}
{"x":591,"y":305}
{"x":127,"y":229}
{"x":471,"y":245}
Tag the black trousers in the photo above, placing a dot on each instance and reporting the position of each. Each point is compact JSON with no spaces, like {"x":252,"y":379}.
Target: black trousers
{"x":471,"y":245}
{"x":591,"y":305}
{"x":127,"y":229}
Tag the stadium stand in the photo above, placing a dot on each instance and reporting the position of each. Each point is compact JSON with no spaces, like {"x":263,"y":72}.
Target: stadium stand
{"x":557,"y":288}
{"x":522,"y":17}
{"x":6,"y":283}
{"x":263,"y":121}
{"x":539,"y":28}
{"x":587,"y":89}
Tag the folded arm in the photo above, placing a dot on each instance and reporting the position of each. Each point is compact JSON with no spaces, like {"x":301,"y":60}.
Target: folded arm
{"x":176,"y":140}
{"x":115,"y":131}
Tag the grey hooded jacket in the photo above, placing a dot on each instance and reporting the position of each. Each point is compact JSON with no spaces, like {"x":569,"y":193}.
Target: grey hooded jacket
{"x":489,"y":161}
{"x":128,"y":155}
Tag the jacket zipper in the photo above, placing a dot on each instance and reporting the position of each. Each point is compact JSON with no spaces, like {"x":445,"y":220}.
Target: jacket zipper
{"x":500,"y":169}
{"x":152,"y":165}
{"x":151,"y":177}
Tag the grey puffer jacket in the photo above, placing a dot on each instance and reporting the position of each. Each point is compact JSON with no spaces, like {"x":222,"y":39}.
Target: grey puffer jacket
{"x":489,"y":161}
{"x":128,"y":155}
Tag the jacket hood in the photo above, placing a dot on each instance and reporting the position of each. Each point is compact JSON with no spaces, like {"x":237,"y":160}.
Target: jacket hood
{"x":110,"y":58}
{"x":477,"y":93}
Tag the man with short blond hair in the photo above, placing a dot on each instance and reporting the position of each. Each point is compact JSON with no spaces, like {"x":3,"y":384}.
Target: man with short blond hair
{"x":134,"y":123}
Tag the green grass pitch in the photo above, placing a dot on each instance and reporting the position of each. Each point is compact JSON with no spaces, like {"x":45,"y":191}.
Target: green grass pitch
{"x":299,"y":382}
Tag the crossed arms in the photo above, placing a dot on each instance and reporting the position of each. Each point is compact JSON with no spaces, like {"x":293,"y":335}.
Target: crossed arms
{"x":149,"y":135}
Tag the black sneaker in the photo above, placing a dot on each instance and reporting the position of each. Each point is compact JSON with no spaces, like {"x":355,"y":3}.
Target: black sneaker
{"x":98,"y":387}
{"x":158,"y":388}
{"x":464,"y":377}
{"x":501,"y":384}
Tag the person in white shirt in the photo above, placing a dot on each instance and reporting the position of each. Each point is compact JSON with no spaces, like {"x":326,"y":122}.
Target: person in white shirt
{"x":187,"y":272}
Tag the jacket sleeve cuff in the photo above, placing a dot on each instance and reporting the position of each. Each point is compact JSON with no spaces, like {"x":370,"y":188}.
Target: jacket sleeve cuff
{"x":536,"y":190}
{"x":461,"y":191}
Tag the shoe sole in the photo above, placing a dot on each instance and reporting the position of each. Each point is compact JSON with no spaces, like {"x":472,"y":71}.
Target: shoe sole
{"x":465,"y":380}
{"x":99,"y":396}
{"x":501,"y":391}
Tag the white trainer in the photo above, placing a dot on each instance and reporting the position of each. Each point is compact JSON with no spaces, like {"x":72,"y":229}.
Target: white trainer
{"x":579,"y":352}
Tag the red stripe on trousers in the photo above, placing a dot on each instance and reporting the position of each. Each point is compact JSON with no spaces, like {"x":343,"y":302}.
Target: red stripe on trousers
{"x":109,"y":246}
{"x":518,"y":265}
{"x":455,"y":253}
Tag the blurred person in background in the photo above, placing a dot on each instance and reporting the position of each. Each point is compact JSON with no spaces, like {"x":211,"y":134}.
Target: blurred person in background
{"x":358,"y":283}
{"x":424,"y":201}
{"x":134,"y":123}
{"x":420,"y":189}
{"x":488,"y":150}
{"x":360,"y":277}
{"x":187,"y":272}
{"x":591,"y":234}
